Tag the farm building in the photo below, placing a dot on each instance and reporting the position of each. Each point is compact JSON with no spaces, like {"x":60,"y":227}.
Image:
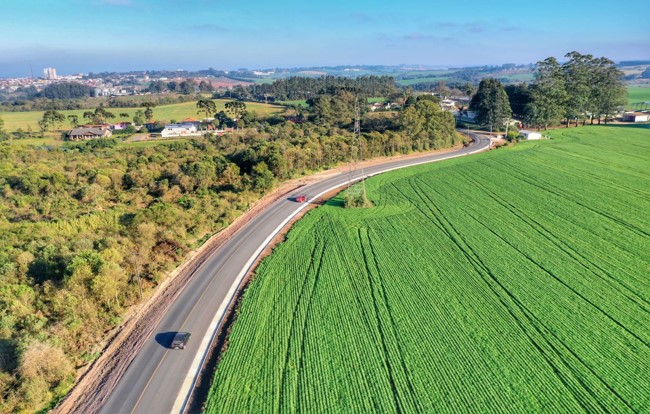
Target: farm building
{"x":83,"y":134}
{"x":180,"y":130}
{"x":528,"y":135}
{"x":636,"y":117}
{"x":448,"y":105}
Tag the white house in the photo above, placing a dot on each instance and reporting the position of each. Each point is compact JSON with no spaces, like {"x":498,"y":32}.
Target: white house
{"x":530,"y":134}
{"x":180,"y":130}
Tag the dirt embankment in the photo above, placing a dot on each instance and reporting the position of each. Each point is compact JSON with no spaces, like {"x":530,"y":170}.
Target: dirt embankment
{"x":97,"y":381}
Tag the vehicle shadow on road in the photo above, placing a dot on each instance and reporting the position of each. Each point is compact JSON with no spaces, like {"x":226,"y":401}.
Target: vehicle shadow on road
{"x":164,"y":339}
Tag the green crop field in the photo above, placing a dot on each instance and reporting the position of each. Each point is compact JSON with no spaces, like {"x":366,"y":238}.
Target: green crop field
{"x":637,"y":94}
{"x":177,"y":112}
{"x":511,"y":281}
{"x":434,"y":79}
{"x":297,"y":102}
{"x":520,"y":77}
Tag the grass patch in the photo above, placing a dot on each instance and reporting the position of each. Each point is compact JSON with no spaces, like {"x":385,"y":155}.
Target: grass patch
{"x":296,"y":102}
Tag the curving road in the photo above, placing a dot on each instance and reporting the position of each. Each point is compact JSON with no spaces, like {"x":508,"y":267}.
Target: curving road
{"x":159,"y":379}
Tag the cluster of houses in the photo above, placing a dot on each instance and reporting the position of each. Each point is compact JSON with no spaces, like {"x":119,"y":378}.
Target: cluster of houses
{"x":189,"y":127}
{"x":384,"y":106}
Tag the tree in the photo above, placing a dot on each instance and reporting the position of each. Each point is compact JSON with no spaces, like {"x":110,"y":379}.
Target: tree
{"x":262,"y":177}
{"x":442,"y":89}
{"x":428,"y":126}
{"x":408,"y":93}
{"x":99,"y":115}
{"x":492,"y":104}
{"x":42,"y":367}
{"x":221,"y":119}
{"x":469,"y":89}
{"x":337,"y":109}
{"x":206,"y":106}
{"x":157,"y":86}
{"x":148,"y":112}
{"x":186,"y":87}
{"x":608,"y":92}
{"x":236,"y":109}
{"x":143,"y":236}
{"x":108,"y":284}
{"x":66,"y":90}
{"x":138,"y":117}
{"x":51,"y":119}
{"x":206,"y":87}
{"x":74,"y":120}
{"x":519,"y":97}
{"x":576,"y":81}
{"x":124,"y":115}
{"x":548,"y":94}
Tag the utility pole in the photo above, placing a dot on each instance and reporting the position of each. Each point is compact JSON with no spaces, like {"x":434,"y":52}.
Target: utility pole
{"x":356,"y":193}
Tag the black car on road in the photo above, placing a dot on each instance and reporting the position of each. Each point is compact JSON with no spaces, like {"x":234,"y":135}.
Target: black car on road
{"x":180,"y":340}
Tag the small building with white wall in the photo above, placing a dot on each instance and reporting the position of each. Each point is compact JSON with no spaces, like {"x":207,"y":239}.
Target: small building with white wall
{"x":180,"y":130}
{"x":530,"y":135}
{"x":636,"y":117}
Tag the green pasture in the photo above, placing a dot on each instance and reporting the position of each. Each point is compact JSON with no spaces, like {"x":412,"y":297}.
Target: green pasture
{"x":165,"y":113}
{"x":433,"y":79}
{"x":637,"y":94}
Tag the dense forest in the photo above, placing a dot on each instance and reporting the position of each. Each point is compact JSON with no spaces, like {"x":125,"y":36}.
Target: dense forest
{"x":66,"y":90}
{"x":296,"y":88}
{"x":88,"y":229}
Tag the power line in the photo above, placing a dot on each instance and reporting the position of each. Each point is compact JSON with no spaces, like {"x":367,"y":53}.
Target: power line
{"x":356,"y":191}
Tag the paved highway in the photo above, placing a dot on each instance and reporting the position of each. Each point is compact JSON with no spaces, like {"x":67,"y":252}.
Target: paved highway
{"x":160,"y":379}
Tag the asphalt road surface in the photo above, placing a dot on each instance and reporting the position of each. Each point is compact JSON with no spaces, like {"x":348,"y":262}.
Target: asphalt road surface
{"x":160,"y":379}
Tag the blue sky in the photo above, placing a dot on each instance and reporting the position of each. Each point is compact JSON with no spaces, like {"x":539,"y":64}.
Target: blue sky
{"x":95,"y":35}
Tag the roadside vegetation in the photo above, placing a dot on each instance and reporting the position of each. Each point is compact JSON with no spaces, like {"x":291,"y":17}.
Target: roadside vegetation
{"x":511,"y":281}
{"x":90,"y":229}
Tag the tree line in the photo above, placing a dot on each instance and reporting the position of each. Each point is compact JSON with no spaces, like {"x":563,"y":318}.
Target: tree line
{"x":298,"y":88}
{"x":582,"y":88}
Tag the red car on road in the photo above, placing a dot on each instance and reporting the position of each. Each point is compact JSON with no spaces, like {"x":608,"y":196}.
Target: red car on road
{"x":301,"y":198}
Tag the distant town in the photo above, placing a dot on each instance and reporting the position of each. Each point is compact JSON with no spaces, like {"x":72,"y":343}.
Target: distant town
{"x":419,"y":77}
